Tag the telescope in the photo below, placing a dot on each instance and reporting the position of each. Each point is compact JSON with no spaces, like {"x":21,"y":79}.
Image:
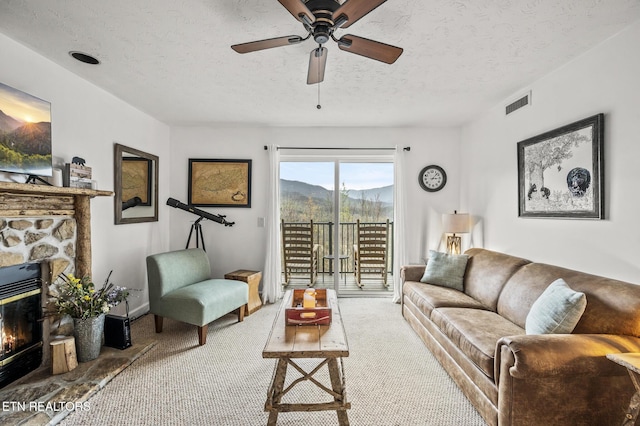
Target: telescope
{"x":203,"y":215}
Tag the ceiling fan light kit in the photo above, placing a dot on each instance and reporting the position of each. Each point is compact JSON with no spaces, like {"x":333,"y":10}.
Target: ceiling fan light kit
{"x":317,"y":63}
{"x":321,"y":18}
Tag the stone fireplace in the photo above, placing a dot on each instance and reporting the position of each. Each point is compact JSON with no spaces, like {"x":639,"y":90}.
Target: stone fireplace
{"x":51,"y":228}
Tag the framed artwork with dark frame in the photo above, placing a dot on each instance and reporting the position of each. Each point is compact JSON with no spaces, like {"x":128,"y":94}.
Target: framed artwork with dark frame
{"x":136,"y":179}
{"x":219,"y":182}
{"x":561,"y":172}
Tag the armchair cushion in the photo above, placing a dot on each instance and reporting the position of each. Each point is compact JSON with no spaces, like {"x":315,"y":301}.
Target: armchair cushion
{"x":173,"y":270}
{"x":203,"y":302}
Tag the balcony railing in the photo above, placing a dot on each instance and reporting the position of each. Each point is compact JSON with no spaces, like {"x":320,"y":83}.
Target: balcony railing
{"x":323,"y":234}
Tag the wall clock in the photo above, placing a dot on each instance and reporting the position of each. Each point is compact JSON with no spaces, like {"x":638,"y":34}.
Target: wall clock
{"x":432,"y":178}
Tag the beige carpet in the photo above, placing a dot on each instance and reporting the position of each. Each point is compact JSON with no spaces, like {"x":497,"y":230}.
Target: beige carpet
{"x":392,"y":379}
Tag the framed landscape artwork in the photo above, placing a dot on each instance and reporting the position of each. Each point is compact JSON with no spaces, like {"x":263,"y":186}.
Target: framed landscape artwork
{"x":219,"y":183}
{"x":561,"y":172}
{"x":136,"y":179}
{"x":25,"y":133}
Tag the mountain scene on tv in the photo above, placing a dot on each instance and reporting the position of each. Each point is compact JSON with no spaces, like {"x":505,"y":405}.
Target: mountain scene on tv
{"x":25,"y":133}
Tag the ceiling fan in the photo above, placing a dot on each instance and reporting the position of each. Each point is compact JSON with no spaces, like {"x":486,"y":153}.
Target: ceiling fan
{"x":321,"y":18}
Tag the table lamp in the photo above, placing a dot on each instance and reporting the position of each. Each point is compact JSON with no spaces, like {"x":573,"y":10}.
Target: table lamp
{"x":455,"y":224}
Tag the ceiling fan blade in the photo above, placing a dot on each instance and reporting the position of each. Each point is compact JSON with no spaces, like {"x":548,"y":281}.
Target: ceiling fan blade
{"x":370,"y":48}
{"x":317,"y":63}
{"x":354,"y":10}
{"x":252,"y":46}
{"x":299,"y":10}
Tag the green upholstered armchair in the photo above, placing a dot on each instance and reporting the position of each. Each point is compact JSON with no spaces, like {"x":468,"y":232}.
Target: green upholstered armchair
{"x":181,"y":288}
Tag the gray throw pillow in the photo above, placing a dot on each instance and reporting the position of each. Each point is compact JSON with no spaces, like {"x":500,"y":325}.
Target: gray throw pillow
{"x":446,"y":270}
{"x":557,"y":310}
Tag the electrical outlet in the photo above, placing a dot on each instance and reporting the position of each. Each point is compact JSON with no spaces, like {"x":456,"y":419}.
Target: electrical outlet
{"x":261,"y":222}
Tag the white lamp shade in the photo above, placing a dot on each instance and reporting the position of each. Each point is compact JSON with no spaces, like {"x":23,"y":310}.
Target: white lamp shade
{"x":456,"y":223}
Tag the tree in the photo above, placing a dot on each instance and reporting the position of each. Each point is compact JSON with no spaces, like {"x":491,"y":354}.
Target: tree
{"x":311,"y":209}
{"x":377,"y":208}
{"x":345,"y":205}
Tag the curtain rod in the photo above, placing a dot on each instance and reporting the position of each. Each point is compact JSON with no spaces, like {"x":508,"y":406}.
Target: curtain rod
{"x":406,"y":148}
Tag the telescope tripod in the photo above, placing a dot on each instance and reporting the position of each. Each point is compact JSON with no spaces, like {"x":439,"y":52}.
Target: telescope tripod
{"x":198,"y":228}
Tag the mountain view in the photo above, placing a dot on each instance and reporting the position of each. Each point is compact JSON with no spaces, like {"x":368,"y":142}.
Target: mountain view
{"x":300,"y":201}
{"x":294,"y":187}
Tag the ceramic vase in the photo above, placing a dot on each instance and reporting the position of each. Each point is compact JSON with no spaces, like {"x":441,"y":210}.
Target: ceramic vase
{"x":88,"y":334}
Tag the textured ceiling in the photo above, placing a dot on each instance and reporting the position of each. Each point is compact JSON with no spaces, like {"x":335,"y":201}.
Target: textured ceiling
{"x":172,"y":58}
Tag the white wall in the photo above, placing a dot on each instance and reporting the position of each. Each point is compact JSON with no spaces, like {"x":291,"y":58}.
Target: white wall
{"x":604,"y":80}
{"x":243,"y":245}
{"x":86,"y":121}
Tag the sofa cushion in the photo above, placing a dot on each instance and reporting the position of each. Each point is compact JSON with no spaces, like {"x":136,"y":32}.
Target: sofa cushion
{"x":445,"y":270}
{"x":487,"y":273}
{"x":612,"y":306}
{"x":556,"y":311}
{"x":428,"y":297}
{"x":475,"y":332}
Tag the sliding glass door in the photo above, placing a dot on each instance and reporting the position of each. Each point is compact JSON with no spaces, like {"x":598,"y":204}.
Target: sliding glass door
{"x":348,"y":204}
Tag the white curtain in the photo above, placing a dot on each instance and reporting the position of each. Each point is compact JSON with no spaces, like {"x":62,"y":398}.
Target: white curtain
{"x":399,"y":256}
{"x":271,"y":284}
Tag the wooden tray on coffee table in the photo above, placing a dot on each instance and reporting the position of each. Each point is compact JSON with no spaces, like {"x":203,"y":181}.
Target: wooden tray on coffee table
{"x":296,"y":314}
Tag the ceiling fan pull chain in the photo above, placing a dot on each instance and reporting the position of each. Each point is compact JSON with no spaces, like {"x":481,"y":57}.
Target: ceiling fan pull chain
{"x":319,"y":53}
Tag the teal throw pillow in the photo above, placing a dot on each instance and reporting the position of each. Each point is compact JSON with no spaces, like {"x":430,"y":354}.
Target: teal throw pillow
{"x":557,"y":310}
{"x":446,"y":270}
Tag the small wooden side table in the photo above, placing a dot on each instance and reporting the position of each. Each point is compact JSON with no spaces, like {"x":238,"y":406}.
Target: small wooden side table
{"x":632,"y":363}
{"x":252,"y":278}
{"x":343,"y":269}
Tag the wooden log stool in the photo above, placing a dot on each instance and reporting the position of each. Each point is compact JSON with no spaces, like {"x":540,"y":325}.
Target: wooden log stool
{"x":63,"y":355}
{"x":252,"y":278}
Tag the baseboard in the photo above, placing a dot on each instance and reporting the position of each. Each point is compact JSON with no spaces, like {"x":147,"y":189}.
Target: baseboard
{"x":139,"y":311}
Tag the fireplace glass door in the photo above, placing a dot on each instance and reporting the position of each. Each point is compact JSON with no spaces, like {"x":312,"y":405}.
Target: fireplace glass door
{"x":20,"y":321}
{"x":20,"y":327}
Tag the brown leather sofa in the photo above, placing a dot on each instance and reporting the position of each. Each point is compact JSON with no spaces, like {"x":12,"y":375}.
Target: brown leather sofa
{"x":517,"y":379}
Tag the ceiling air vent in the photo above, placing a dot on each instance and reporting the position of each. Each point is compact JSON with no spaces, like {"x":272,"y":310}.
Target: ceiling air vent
{"x":519,"y":103}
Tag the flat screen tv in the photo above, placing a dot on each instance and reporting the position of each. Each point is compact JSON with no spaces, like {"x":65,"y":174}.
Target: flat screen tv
{"x":25,"y":133}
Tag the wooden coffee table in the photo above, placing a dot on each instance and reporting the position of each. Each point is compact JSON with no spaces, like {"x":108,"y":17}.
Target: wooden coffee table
{"x":327,"y":343}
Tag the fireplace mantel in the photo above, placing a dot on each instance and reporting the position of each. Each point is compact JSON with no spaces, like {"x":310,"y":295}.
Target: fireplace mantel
{"x":44,"y":200}
{"x":27,"y":188}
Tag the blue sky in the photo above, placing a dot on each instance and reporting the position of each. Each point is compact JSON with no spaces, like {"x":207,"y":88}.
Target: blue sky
{"x":354,"y":175}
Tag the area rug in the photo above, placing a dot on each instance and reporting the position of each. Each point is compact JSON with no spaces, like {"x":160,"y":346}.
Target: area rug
{"x":391,"y":377}
{"x":41,"y":398}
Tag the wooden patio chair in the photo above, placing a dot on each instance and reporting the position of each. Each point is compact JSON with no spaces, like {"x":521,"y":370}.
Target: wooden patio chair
{"x":370,"y":251}
{"x":300,"y":254}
